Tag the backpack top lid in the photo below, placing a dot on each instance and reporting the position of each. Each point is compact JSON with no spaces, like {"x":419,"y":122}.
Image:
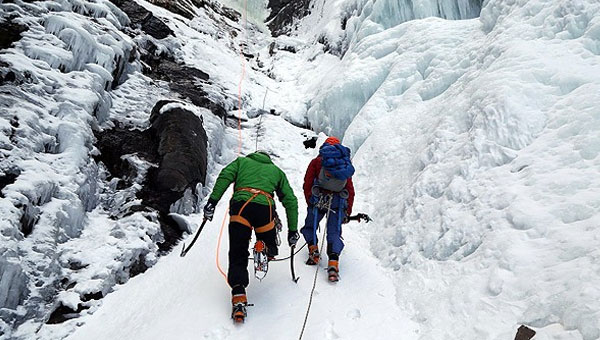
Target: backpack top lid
{"x":335,"y":159}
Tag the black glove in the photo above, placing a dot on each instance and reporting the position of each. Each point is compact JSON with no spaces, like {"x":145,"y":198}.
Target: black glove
{"x":293,"y":238}
{"x":346,"y":219}
{"x":209,"y":210}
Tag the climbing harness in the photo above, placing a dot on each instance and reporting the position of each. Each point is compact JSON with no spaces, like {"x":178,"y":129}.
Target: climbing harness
{"x":242,"y":220}
{"x":260,"y":256}
{"x":324,"y":203}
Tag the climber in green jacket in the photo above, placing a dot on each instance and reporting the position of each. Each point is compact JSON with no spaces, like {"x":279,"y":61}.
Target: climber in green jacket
{"x":252,"y":207}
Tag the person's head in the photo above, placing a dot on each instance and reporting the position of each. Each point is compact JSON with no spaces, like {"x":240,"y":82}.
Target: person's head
{"x":332,"y":141}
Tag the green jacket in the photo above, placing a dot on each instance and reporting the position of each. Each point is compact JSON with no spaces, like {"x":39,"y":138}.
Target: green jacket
{"x":258,"y":171}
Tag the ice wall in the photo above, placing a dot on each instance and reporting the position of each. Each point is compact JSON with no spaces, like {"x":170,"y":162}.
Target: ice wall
{"x":482,"y":136}
{"x":55,"y":83}
{"x":345,"y":28}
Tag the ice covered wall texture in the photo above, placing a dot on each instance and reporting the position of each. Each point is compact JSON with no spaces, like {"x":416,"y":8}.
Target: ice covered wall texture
{"x":59,"y":73}
{"x":69,"y":229}
{"x":484,"y":137}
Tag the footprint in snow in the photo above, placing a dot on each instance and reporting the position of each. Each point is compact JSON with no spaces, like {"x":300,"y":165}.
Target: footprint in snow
{"x":331,"y":334}
{"x":353,"y":314}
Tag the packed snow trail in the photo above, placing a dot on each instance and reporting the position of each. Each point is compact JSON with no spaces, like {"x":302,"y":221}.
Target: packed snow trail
{"x":187,"y":298}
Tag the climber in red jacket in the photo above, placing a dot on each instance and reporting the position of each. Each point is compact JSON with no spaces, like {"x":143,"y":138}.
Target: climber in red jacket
{"x":329,"y":191}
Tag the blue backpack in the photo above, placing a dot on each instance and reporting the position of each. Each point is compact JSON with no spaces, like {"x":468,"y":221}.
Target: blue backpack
{"x":336,"y":167}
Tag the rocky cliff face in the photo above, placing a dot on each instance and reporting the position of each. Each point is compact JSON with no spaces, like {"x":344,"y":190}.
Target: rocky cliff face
{"x":284,"y":13}
{"x":102,"y":137}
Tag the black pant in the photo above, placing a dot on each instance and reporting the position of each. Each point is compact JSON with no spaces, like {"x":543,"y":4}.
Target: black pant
{"x":239,"y":241}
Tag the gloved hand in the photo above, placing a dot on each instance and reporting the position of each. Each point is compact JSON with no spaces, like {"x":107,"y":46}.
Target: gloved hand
{"x":209,"y":210}
{"x":293,"y":238}
{"x":346,"y":219}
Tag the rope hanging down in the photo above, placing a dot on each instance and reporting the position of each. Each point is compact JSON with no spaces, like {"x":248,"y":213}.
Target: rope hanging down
{"x":239,"y":151}
{"x":312,"y":291}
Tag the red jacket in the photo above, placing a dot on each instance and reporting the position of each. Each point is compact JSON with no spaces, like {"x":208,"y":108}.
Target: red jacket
{"x":313,"y":171}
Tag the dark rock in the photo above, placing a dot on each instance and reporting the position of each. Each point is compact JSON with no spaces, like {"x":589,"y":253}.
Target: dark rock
{"x":187,"y":9}
{"x":290,"y":49}
{"x":182,"y":144}
{"x":76,"y":265}
{"x":63,"y":313}
{"x":7,"y":179}
{"x":177,"y":142}
{"x":345,"y":22}
{"x":10,"y":32}
{"x":524,"y":333}
{"x":186,"y":81}
{"x":138,"y":267}
{"x":120,"y":141}
{"x":29,"y":218}
{"x":178,"y":7}
{"x":231,"y":14}
{"x":144,"y":19}
{"x":182,"y":148}
{"x":9,"y":77}
{"x":284,"y":13}
{"x":92,"y":296}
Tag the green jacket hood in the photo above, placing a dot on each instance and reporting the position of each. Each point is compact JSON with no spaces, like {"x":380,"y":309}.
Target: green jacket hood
{"x":260,"y":157}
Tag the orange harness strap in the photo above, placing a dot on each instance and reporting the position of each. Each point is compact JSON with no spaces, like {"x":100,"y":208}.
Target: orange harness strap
{"x":242,"y":220}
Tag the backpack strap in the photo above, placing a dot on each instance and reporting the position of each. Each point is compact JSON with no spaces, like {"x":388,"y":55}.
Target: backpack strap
{"x":242,"y":220}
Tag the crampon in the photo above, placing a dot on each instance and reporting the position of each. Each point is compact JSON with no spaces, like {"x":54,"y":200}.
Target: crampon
{"x":261,"y":260}
{"x":238,"y":309}
{"x":333,"y":272}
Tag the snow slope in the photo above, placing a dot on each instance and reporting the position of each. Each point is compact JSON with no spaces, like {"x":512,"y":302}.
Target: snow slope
{"x":187,"y":298}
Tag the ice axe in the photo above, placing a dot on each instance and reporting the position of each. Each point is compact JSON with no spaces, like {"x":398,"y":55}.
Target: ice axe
{"x":360,"y":216}
{"x":184,"y":250}
{"x":294,"y":277}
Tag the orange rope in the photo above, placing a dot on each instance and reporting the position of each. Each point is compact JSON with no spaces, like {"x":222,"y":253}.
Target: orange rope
{"x":243,"y":62}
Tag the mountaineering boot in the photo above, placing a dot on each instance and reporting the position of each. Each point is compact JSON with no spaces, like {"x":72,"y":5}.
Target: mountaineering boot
{"x":261,"y":260}
{"x":313,"y":255}
{"x":239,"y":303}
{"x":333,"y":271}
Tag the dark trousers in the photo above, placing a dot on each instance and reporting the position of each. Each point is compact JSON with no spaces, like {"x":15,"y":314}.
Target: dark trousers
{"x":239,"y":242}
